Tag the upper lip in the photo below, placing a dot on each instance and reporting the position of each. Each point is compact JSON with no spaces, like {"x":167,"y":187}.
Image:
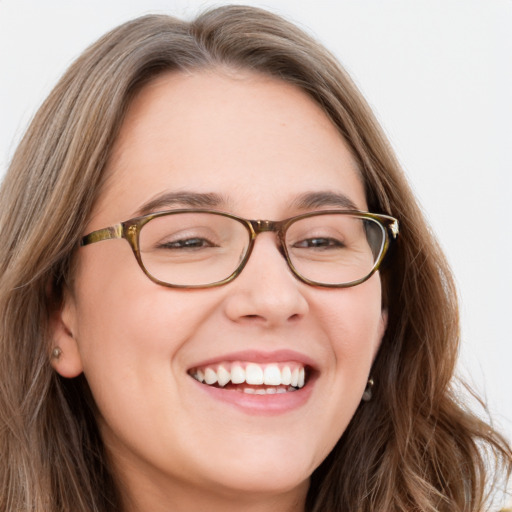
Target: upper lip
{"x":259,"y":356}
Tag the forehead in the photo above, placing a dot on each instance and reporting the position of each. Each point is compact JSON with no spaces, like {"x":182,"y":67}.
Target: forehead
{"x":251,"y":139}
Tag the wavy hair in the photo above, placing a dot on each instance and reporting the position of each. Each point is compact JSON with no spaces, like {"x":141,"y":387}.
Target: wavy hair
{"x":414,"y":447}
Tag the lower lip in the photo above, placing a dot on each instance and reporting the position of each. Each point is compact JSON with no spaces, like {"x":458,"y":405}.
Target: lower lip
{"x":271,"y":404}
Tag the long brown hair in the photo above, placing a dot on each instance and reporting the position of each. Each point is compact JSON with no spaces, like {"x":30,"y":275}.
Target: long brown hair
{"x":414,"y":447}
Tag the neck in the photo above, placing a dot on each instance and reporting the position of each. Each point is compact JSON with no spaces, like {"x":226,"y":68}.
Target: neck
{"x":199,"y":501}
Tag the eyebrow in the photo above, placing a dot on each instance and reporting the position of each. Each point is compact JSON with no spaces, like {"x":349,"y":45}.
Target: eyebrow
{"x":182,"y":199}
{"x":323,"y":199}
{"x":211,"y":200}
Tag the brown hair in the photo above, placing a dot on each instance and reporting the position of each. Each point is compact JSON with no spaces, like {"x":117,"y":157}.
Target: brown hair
{"x":414,"y":447}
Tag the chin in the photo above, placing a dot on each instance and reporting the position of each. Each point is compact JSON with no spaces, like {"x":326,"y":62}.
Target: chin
{"x":265,"y":472}
{"x":269,"y":481}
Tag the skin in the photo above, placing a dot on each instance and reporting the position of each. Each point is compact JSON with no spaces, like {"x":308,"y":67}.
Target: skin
{"x":260,"y":143}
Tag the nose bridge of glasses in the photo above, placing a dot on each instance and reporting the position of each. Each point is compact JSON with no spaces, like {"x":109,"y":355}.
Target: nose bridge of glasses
{"x":262,"y":226}
{"x":270,"y":226}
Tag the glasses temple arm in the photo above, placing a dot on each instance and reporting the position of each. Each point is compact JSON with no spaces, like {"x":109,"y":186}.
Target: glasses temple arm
{"x":103,"y":234}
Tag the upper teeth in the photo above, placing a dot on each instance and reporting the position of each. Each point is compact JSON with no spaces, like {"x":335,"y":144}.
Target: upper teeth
{"x":287,"y":374}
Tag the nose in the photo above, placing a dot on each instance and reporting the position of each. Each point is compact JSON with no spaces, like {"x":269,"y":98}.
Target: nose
{"x":266,"y":292}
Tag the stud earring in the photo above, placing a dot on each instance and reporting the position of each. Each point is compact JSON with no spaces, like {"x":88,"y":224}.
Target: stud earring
{"x":368,"y":393}
{"x":56,"y":353}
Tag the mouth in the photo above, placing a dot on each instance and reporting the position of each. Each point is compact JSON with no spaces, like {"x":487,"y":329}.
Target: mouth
{"x":253,"y":378}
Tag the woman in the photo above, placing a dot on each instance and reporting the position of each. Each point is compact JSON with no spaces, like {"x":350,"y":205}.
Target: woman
{"x":260,"y":343}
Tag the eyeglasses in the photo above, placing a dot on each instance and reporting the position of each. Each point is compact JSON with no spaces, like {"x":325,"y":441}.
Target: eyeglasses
{"x":197,"y":248}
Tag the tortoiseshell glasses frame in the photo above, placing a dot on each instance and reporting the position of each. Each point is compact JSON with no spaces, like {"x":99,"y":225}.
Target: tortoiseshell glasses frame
{"x":131,"y":230}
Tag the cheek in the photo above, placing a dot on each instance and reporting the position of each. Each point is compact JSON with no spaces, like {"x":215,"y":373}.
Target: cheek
{"x":128,"y":327}
{"x":124,"y":322}
{"x":351,"y":321}
{"x":131,"y":342}
{"x":354,"y":320}
{"x":119,"y":305}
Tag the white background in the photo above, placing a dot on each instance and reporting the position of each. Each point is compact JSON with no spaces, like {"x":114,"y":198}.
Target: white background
{"x":438,"y":74}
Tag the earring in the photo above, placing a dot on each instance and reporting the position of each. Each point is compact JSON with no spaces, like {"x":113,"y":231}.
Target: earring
{"x":56,"y":353}
{"x":368,"y":393}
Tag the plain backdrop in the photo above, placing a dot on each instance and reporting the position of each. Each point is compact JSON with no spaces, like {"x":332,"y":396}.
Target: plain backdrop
{"x":438,"y":74}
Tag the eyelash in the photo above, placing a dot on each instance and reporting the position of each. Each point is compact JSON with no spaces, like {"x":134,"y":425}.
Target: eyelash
{"x":330,"y":243}
{"x":184,"y":244}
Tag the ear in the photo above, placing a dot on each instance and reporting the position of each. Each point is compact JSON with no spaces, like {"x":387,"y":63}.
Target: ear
{"x":66,"y":360}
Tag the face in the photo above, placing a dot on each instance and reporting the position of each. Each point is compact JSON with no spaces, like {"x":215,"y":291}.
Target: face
{"x":256,"y":146}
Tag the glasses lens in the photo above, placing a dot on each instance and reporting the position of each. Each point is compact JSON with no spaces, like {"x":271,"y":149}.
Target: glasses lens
{"x":335,"y":248}
{"x":193,"y":249}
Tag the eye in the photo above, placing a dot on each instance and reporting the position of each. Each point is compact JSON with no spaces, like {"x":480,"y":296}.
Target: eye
{"x":318,"y":243}
{"x":187,"y":243}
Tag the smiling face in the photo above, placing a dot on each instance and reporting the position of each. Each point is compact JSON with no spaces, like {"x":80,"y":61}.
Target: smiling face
{"x":260,"y":149}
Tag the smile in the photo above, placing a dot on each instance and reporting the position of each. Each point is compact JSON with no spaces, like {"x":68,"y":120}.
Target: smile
{"x":253,"y":378}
